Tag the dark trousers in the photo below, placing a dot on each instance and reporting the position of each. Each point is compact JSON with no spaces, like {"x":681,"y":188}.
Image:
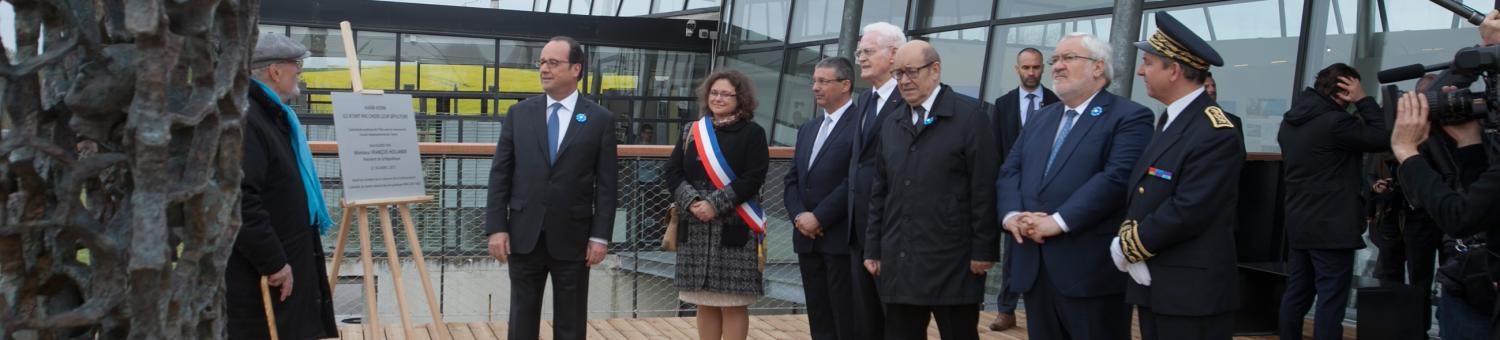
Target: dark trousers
{"x":830,"y":300}
{"x":528,"y":279}
{"x":1320,"y":273}
{"x":1049,"y":315}
{"x":1458,"y":321}
{"x":1006,"y":301}
{"x":868,"y":311}
{"x":1172,"y":327}
{"x":1408,"y":254}
{"x":903,"y":322}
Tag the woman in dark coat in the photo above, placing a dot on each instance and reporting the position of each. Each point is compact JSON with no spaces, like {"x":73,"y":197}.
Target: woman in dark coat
{"x":717,"y":263}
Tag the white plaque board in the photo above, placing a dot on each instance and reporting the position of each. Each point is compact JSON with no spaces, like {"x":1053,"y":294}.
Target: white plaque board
{"x":377,"y":136}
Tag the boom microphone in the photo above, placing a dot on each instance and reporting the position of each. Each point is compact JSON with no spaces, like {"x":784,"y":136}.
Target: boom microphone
{"x":1459,"y":9}
{"x":1407,"y":72}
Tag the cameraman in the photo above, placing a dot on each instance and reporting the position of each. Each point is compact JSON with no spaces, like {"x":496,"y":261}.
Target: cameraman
{"x":1407,"y":240}
{"x":1471,"y":207}
{"x":1323,"y":145}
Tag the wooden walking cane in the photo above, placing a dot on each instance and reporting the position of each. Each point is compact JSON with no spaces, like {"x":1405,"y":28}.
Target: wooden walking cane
{"x":265,"y":298}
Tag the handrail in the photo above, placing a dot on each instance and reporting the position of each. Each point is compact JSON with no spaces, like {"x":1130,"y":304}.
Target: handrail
{"x":488,"y":149}
{"x":651,"y":151}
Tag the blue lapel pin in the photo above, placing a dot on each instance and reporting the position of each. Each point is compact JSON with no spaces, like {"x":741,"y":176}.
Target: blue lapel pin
{"x":1096,"y":111}
{"x":581,"y":118}
{"x":927,"y":121}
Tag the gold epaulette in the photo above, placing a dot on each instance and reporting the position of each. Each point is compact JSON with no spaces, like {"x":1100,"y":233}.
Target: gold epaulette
{"x":1130,"y":243}
{"x":1217,"y":118}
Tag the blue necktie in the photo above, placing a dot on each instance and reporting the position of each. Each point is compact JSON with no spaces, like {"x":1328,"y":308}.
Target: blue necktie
{"x":1067,"y":124}
{"x":1030,"y":107}
{"x":552,"y":125}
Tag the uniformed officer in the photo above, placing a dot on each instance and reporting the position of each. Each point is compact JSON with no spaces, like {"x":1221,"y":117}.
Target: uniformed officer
{"x":1177,"y":240}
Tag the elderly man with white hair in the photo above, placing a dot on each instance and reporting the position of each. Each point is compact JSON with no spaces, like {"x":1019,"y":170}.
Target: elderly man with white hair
{"x":1059,"y":195}
{"x":282,"y":208}
{"x":876,"y":58}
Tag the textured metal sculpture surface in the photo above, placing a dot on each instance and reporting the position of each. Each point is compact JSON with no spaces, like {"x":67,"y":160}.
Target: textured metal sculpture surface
{"x":120,"y":167}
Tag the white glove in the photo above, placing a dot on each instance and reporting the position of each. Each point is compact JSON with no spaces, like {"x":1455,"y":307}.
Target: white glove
{"x":1139,"y":273}
{"x":1118,"y":255}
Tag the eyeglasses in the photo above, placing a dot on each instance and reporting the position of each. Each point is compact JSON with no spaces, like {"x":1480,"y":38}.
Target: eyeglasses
{"x":865,"y":52}
{"x":550,"y":63}
{"x":1067,"y":58}
{"x":726,"y":95}
{"x":826,"y":82}
{"x":911,"y":72}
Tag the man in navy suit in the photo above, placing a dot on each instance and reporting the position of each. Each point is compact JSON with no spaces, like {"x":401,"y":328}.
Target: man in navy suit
{"x":1011,"y":113}
{"x":551,"y":205}
{"x":817,"y":198}
{"x":876,"y":56}
{"x":1060,"y":194}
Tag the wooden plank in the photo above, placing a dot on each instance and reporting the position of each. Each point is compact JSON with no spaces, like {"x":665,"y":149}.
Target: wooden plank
{"x":480,"y":331}
{"x":759,"y":334}
{"x":351,"y":333}
{"x":460,"y":331}
{"x":645,"y":328}
{"x":502,"y":330}
{"x":424,"y":332}
{"x":395,"y":332}
{"x":670,"y":331}
{"x":626,"y":329}
{"x":606,"y":330}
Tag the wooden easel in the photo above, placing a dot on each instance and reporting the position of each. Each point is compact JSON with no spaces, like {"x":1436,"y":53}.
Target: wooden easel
{"x":372,"y":319}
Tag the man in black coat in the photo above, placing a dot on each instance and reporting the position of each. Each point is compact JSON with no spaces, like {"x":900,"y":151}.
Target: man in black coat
{"x":877,"y":53}
{"x":932,"y":234}
{"x":282,"y":213}
{"x":552,"y":198}
{"x":1177,"y":240}
{"x":817,"y":198}
{"x":1012,"y":113}
{"x":1323,"y":147}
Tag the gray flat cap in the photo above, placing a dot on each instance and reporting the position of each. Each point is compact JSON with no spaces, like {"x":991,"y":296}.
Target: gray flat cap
{"x":273,"y":48}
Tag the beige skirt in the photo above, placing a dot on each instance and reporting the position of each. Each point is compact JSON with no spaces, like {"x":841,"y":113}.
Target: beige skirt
{"x":711,"y":299}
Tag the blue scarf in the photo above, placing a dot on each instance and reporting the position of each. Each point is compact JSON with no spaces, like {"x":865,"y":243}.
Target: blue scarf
{"x":316,"y":209}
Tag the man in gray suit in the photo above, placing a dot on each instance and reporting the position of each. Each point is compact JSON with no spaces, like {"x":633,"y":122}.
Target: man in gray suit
{"x":552,"y":195}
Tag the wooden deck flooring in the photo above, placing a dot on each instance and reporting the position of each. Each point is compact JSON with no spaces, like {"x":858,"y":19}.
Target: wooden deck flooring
{"x":766,"y":327}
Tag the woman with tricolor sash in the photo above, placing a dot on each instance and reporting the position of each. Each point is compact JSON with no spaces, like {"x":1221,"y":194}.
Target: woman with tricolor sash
{"x":715,"y":174}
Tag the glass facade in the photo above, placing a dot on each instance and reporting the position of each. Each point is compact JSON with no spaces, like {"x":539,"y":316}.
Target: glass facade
{"x":1269,"y":55}
{"x":580,"y":7}
{"x":1259,"y":39}
{"x":475,"y":80}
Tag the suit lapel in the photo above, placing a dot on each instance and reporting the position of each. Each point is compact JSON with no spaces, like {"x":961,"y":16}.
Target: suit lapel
{"x":575,"y":128}
{"x":540,"y":125}
{"x":892,"y":104}
{"x":1080,"y":129}
{"x":843,"y":124}
{"x":1167,"y":138}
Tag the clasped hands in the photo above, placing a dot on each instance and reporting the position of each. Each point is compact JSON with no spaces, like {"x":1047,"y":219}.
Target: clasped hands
{"x":1037,"y":226}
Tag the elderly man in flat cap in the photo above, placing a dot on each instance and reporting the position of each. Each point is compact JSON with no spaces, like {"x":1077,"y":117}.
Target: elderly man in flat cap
{"x":282,"y":207}
{"x":1177,"y":239}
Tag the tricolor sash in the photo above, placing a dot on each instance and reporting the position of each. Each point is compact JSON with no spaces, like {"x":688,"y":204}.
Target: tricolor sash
{"x":720,"y":174}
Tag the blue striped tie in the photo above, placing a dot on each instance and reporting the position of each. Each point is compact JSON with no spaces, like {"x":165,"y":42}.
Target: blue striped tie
{"x":552,"y":125}
{"x":1067,"y":125}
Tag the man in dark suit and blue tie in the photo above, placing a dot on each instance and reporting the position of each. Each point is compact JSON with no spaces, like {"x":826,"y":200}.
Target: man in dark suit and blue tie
{"x":877,"y":55}
{"x":1012,"y":111}
{"x":1059,"y":194}
{"x":552,"y":194}
{"x":817,"y":198}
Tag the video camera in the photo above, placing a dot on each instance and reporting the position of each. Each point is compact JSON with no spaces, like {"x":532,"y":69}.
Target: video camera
{"x":1468,"y":65}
